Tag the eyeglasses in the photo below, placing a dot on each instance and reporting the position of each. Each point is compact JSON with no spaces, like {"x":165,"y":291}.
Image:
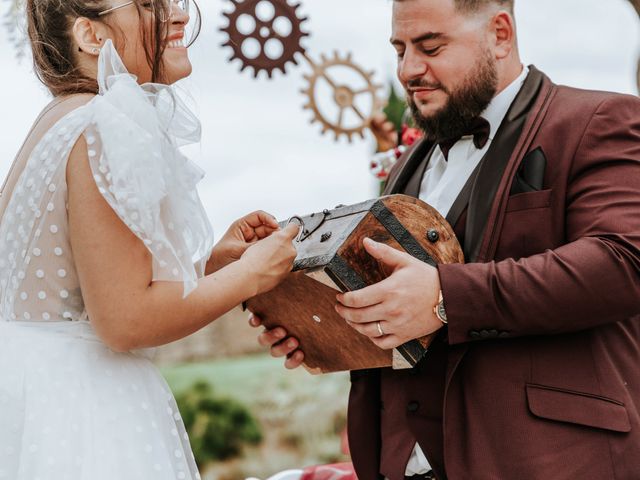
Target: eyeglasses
{"x":182,"y":5}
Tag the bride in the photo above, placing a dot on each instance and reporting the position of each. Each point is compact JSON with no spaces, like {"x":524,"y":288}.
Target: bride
{"x":106,"y":250}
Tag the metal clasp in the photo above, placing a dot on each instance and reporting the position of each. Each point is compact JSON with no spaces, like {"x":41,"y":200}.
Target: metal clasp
{"x":313,"y":223}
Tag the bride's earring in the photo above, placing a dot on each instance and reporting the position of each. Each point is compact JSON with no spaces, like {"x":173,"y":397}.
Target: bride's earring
{"x":95,"y":51}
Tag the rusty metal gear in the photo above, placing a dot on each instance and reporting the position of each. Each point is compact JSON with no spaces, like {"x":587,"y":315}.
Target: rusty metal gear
{"x":344,"y":96}
{"x":265,"y":31}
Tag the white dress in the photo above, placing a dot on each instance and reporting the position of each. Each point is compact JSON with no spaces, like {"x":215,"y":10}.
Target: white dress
{"x":70,"y":408}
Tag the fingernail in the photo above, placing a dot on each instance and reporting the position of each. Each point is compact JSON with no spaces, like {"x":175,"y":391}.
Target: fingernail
{"x":279,"y":333}
{"x":372,"y":243}
{"x":291,"y":343}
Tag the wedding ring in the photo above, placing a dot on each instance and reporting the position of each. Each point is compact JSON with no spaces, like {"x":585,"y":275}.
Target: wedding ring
{"x":380,"y":331}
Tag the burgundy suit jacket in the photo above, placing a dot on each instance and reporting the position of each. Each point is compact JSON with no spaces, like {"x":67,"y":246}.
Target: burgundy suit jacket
{"x":538,"y":374}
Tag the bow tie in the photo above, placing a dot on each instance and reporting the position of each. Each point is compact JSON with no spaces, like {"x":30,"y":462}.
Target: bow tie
{"x":478,"y":127}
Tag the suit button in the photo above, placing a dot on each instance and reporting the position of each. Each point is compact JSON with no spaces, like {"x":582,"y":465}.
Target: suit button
{"x":484,"y":333}
{"x":493,"y":333}
{"x":413,"y":406}
{"x":474,"y":334}
{"x":504,"y":335}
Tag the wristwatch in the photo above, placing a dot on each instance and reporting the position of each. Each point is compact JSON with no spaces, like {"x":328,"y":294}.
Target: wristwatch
{"x":438,"y":309}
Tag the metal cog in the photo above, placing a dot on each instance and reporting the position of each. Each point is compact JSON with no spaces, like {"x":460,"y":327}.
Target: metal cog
{"x":343,"y":96}
{"x":264,"y":31}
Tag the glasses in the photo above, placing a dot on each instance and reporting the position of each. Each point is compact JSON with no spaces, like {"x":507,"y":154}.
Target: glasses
{"x":182,"y":5}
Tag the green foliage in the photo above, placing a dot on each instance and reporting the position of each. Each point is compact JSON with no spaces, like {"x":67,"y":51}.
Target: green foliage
{"x":13,"y":20}
{"x":218,"y":427}
{"x":396,"y":106}
{"x":301,"y":415}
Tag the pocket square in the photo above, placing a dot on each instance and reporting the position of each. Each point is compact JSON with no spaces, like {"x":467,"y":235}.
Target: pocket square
{"x":530,"y":174}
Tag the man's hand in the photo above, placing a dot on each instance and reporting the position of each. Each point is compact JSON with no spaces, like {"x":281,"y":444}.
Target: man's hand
{"x":280,"y":344}
{"x":401,"y":305}
{"x":384,"y":131}
{"x":242,"y":233}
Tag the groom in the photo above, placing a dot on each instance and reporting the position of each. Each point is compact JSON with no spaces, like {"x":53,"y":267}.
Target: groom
{"x":536,"y":370}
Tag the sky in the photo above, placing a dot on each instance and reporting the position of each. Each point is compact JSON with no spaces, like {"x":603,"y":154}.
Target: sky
{"x":259,"y":149}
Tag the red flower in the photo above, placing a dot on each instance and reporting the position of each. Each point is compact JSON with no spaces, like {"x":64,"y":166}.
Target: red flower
{"x":338,"y":471}
{"x":410,"y":135}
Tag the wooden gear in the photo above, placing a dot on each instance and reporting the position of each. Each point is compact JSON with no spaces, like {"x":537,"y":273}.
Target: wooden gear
{"x":331,"y":259}
{"x":344,"y":96}
{"x":264,"y":32}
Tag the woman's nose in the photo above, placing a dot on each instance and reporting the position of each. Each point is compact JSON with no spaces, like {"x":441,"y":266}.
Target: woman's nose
{"x":178,"y":14}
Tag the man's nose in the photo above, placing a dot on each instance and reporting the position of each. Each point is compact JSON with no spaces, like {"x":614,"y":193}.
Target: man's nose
{"x":411,"y":66}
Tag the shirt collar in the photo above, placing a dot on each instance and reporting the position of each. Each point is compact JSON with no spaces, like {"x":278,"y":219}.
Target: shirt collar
{"x":497,"y":109}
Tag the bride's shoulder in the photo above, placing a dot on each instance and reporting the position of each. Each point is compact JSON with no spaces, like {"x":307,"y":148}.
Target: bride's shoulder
{"x":63,"y":105}
{"x":53,"y":113}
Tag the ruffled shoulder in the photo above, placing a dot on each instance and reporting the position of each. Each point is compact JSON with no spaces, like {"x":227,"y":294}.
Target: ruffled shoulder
{"x":133,"y":146}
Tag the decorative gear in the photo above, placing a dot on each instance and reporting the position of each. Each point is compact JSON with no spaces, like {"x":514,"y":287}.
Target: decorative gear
{"x":265,"y":31}
{"x":344,"y":96}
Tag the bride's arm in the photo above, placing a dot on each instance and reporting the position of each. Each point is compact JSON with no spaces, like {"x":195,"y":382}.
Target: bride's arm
{"x":127,"y":309}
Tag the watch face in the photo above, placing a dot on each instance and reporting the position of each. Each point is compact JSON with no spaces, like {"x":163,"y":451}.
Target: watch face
{"x":441,"y":312}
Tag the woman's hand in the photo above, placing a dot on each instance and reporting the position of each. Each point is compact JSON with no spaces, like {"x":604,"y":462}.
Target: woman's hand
{"x":270,"y":260}
{"x":242,"y":233}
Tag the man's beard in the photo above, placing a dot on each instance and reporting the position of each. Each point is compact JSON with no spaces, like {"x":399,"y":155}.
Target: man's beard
{"x":463,"y":105}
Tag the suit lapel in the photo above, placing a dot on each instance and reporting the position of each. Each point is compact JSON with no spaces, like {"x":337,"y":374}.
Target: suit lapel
{"x":529,"y":107}
{"x":407,"y":166}
{"x":493,"y":164}
{"x":462,"y":200}
{"x":415,"y":182}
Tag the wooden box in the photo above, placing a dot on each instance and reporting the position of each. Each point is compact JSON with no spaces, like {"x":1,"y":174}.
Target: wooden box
{"x":331,"y":259}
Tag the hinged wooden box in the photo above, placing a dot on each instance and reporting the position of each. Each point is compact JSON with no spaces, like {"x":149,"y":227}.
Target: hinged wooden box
{"x":331,"y":259}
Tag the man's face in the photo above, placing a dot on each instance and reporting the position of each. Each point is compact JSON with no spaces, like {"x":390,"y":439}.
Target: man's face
{"x":444,"y":63}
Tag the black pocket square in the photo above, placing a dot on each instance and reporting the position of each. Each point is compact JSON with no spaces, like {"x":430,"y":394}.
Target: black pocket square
{"x":530,"y":174}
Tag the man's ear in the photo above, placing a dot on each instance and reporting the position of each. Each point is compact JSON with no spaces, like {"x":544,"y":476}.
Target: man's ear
{"x":503,"y":32}
{"x":89,"y":35}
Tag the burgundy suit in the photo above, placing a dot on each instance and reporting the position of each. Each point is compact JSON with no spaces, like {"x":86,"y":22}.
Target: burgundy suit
{"x":537,"y":376}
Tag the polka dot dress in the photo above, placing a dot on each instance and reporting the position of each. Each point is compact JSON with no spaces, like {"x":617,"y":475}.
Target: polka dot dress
{"x":70,"y":408}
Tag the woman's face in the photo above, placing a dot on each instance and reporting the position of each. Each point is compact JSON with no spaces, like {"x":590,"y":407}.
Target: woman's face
{"x":130,"y":42}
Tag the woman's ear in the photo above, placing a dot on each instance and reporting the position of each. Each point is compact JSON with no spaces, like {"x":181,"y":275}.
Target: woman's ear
{"x":88,"y":35}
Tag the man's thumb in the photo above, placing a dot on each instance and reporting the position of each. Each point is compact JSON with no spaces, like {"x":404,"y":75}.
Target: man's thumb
{"x":384,"y":253}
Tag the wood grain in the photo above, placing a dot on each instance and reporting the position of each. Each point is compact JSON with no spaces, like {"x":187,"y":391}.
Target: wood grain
{"x":329,"y":345}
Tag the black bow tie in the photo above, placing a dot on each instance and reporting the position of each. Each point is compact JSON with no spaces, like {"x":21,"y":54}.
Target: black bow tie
{"x":478,"y":127}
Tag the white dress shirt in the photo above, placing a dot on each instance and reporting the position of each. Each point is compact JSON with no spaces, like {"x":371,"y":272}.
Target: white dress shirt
{"x":444,"y":180}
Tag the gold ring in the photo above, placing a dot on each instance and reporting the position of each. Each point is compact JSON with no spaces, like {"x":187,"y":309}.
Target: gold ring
{"x":380,"y":329}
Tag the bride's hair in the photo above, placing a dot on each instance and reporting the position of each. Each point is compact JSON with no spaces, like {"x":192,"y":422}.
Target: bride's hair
{"x":55,"y":56}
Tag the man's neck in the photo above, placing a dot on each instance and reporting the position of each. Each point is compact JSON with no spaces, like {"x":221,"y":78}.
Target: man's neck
{"x":510,"y":72}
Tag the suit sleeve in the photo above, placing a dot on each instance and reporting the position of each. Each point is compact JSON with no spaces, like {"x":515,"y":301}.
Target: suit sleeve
{"x":593,"y":279}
